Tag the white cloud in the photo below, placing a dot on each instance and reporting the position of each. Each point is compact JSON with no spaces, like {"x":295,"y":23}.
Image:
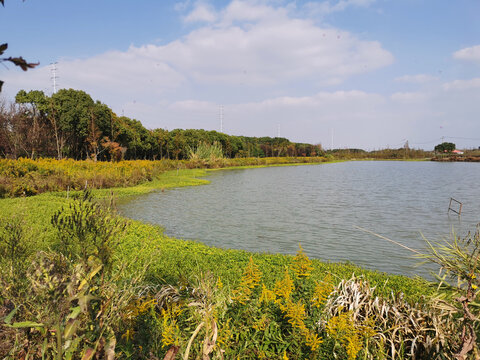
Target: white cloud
{"x":261,"y":48}
{"x":201,"y":12}
{"x":182,"y":5}
{"x":114,"y":77}
{"x":416,"y":79}
{"x":260,"y":45}
{"x":468,"y":54}
{"x":410,"y":97}
{"x":460,"y":85}
{"x":328,"y":7}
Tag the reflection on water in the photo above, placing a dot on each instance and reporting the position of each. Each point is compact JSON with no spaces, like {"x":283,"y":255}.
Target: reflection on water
{"x":274,"y":209}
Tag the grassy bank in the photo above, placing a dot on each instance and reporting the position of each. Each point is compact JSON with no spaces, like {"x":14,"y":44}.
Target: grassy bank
{"x":131,"y":290}
{"x":26,"y":177}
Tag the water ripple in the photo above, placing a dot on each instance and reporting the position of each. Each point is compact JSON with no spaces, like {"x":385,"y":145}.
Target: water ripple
{"x":275,"y":209}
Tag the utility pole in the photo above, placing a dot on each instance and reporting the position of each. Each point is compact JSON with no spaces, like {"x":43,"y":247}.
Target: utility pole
{"x":278,"y":130}
{"x":54,"y":76}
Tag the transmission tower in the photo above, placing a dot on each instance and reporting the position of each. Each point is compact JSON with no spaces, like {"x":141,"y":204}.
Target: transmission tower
{"x":221,"y":118}
{"x":54,"y":76}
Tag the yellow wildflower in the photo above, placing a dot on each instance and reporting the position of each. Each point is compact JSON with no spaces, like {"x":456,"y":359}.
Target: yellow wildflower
{"x":295,"y":312}
{"x":261,"y":324}
{"x":252,"y":274}
{"x":225,"y":334}
{"x":285,"y":287}
{"x":313,"y":340}
{"x":128,"y":335}
{"x":250,"y":279}
{"x":267,"y":295}
{"x":342,"y":328}
{"x":302,"y":265}
{"x":170,"y":329}
{"x":322,"y":291}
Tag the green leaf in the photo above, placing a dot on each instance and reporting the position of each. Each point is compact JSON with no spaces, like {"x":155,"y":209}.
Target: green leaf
{"x":71,"y":348}
{"x":83,"y":301}
{"x":25,"y":324}
{"x":90,"y":276}
{"x":3,"y":47}
{"x":9,"y":317}
{"x":75,"y":312}
{"x":70,"y":329}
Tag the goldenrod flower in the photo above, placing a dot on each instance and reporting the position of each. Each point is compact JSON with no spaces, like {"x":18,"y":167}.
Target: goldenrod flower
{"x":322,"y":291}
{"x":267,"y":295}
{"x":302,"y":265}
{"x":285,"y":287}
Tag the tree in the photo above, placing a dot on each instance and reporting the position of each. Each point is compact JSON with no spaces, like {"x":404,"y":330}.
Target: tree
{"x":35,"y":103}
{"x":73,"y":113}
{"x":445,"y":147}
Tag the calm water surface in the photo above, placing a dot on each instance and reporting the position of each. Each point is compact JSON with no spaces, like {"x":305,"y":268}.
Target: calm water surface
{"x":274,"y":209}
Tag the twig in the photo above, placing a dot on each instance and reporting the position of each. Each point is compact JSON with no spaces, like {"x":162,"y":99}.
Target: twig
{"x":385,"y":238}
{"x":189,"y":345}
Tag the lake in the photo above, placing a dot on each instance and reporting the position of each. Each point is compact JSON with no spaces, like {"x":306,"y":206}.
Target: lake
{"x":274,"y":209}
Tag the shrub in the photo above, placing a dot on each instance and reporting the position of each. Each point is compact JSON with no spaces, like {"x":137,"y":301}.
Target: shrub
{"x":67,"y":303}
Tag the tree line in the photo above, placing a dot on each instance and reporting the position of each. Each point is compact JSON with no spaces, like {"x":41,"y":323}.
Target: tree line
{"x":70,"y":124}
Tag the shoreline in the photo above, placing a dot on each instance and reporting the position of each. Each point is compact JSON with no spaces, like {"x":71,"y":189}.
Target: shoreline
{"x":141,"y":237}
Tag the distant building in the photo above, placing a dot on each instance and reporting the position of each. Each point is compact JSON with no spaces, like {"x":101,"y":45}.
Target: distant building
{"x":458,"y":152}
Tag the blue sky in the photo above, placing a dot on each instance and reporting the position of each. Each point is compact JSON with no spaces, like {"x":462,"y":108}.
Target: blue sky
{"x":372,"y":73}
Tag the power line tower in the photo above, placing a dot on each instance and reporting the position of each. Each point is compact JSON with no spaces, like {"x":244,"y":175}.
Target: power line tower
{"x":54,"y":76}
{"x":221,"y":117}
{"x":278,"y":130}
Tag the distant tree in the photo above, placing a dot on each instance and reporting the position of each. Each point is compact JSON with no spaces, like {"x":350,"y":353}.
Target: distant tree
{"x":445,"y":147}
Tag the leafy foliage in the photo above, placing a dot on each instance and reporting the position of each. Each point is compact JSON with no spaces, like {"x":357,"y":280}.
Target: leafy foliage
{"x":445,"y":147}
{"x":66,"y":303}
